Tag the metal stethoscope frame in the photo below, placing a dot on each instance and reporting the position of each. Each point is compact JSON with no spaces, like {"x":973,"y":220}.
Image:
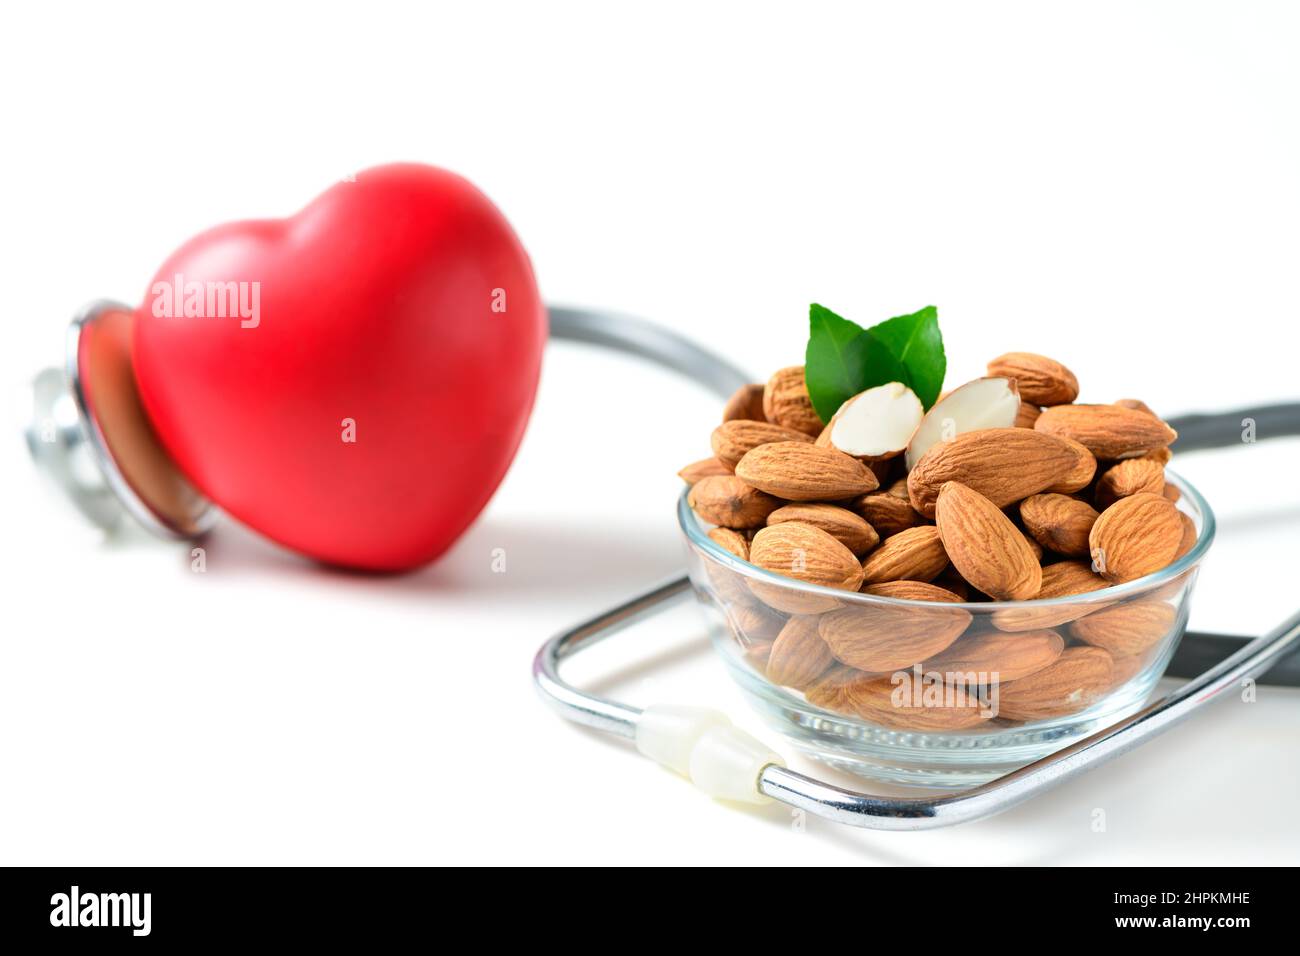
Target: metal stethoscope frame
{"x":850,"y":807}
{"x":68,"y":444}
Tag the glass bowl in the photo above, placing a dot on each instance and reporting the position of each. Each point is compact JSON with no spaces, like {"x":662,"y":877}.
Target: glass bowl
{"x":942,"y":695}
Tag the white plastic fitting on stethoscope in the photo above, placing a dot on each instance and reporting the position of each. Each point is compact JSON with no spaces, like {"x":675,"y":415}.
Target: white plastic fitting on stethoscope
{"x":705,"y":746}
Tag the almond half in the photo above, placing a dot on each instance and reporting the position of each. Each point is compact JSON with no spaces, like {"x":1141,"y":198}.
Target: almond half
{"x":983,"y":403}
{"x":876,"y":425}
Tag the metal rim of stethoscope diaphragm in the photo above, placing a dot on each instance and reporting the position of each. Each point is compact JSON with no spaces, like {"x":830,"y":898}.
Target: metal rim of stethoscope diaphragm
{"x":89,"y":433}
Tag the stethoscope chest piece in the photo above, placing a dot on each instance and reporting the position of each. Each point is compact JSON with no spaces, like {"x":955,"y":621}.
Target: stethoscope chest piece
{"x":88,"y":432}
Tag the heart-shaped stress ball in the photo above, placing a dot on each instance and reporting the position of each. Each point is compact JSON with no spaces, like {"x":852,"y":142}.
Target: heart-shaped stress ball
{"x":353,"y":381}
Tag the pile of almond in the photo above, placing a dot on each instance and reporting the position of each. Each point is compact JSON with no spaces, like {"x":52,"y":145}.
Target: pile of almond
{"x":1006,"y":490}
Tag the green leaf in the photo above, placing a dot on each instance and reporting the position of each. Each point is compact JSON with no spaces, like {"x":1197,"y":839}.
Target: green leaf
{"x":835,"y":362}
{"x":917,"y":344}
{"x":844,"y":359}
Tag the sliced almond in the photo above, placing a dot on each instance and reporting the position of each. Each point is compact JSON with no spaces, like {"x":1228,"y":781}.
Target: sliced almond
{"x":913,"y":555}
{"x":786,"y":402}
{"x":730,"y":502}
{"x":1002,"y":464}
{"x":1135,"y":536}
{"x":875,"y":425}
{"x":853,"y":531}
{"x":984,"y":546}
{"x":1041,"y":380}
{"x":800,"y":471}
{"x":983,"y":403}
{"x":1059,"y":523}
{"x":732,"y":440}
{"x":1108,"y":431}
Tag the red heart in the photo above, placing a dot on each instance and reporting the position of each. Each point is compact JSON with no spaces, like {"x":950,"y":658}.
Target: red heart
{"x":403,"y":303}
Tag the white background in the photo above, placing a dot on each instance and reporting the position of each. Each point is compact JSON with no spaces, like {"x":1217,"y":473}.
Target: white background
{"x":1111,"y":184}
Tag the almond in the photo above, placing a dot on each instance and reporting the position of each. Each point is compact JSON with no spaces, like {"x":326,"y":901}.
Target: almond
{"x":728,"y":501}
{"x":829,"y":690}
{"x":904,"y":706}
{"x":992,"y":658}
{"x":704,"y":468}
{"x":1041,"y":380}
{"x":1172,"y":493}
{"x":851,"y":530}
{"x":913,"y":555}
{"x":800,"y":471}
{"x":884,"y":636}
{"x":745,"y":404}
{"x":1136,"y":403}
{"x":1161,"y":455}
{"x":1190,"y":535}
{"x":1135,"y":536}
{"x":1027,"y":415}
{"x":1128,"y":477}
{"x":1085,"y":466}
{"x":984,"y":546}
{"x":807,"y":554}
{"x":1128,"y":628}
{"x":757,"y":655}
{"x":1002,"y":464}
{"x":887,"y":513}
{"x":1108,"y":431}
{"x":799,"y":655}
{"x":752,"y":623}
{"x":983,"y":403}
{"x":732,"y":541}
{"x":1071,"y":684}
{"x":1059,"y":580}
{"x":786,"y":402}
{"x":732,"y":440}
{"x":1059,"y":523}
{"x":875,"y":425}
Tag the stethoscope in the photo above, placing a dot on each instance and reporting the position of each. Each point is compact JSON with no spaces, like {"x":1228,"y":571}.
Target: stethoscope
{"x":726,"y":762}
{"x":66,"y":438}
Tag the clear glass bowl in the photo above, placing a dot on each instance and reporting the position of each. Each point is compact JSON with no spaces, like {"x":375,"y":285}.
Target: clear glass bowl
{"x":930,"y":702}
